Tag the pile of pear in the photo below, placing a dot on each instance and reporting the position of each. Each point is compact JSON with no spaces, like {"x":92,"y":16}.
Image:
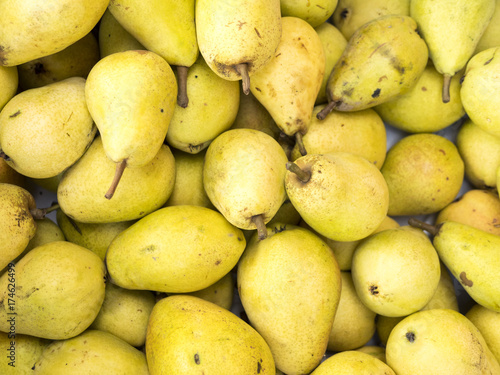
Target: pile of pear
{"x":250,"y":187}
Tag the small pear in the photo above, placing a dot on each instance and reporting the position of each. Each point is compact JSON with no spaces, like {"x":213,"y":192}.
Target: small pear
{"x":491,"y":35}
{"x":353,"y":362}
{"x":313,"y":12}
{"x":9,"y":80}
{"x":114,"y":38}
{"x":488,"y":323}
{"x":131,"y":97}
{"x":20,"y":352}
{"x":451,"y":32}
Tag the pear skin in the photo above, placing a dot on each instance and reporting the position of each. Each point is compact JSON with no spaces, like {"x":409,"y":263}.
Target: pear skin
{"x":491,"y":35}
{"x":315,"y":12}
{"x":22,"y":352}
{"x":9,"y":80}
{"x":488,"y":323}
{"x":353,"y":362}
{"x":113,"y":37}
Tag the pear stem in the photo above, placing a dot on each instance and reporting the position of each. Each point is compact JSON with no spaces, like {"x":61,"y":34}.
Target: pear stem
{"x":242,"y":70}
{"x":300,"y":143}
{"x":302,"y":175}
{"x":182,"y":98}
{"x":432,"y":229}
{"x":258,"y":220}
{"x":321,"y":115}
{"x":446,"y":88}
{"x":120,"y":167}
{"x":40,"y":213}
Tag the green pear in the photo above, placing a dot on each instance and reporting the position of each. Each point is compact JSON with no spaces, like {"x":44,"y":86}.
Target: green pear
{"x":92,"y":352}
{"x":480,"y":152}
{"x":95,"y":237}
{"x":354,"y":323}
{"x":374,"y":350}
{"x":243,"y":176}
{"x":43,"y":28}
{"x":478,"y":208}
{"x":479,"y":91}
{"x":286,"y":214}
{"x":175,"y":249}
{"x":166,"y":28}
{"x":421,"y":109}
{"x":9,"y":175}
{"x":75,"y":60}
{"x":491,"y":35}
{"x":55,"y":291}
{"x":342,"y":196}
{"x":191,"y":129}
{"x":350,"y":15}
{"x":386,"y":263}
{"x":451,"y":32}
{"x":361,"y":132}
{"x":131,"y":97}
{"x":125,"y":313}
{"x":9,"y":80}
{"x":238,"y":37}
{"x":488,"y":323}
{"x":289,"y":285}
{"x":314,"y":12}
{"x":80,"y":192}
{"x":280,"y":86}
{"x":439,"y":341}
{"x":353,"y":362}
{"x":334,"y":44}
{"x":471,"y":256}
{"x":385,"y":325}
{"x":20,"y":352}
{"x":377,"y":65}
{"x":45,"y":130}
{"x":424,"y":173}
{"x":187,"y":334}
{"x":114,"y":38}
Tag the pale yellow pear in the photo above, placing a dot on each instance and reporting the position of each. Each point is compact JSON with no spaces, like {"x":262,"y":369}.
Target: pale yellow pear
{"x":491,"y":35}
{"x":45,"y":130}
{"x":374,"y":350}
{"x":41,"y":28}
{"x":9,"y":79}
{"x":187,"y":334}
{"x":20,"y":352}
{"x":439,"y":341}
{"x":488,"y":323}
{"x":353,"y":362}
{"x":451,"y":30}
{"x":314,"y":12}
{"x":113,"y":37}
{"x":290,"y":275}
{"x":287,"y":214}
{"x":131,"y":97}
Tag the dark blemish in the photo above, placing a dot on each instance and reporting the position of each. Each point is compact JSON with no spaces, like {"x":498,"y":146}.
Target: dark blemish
{"x":348,"y":92}
{"x":259,"y":90}
{"x":444,"y":153}
{"x":257,"y":31}
{"x":382,"y":78}
{"x":16,"y":114}
{"x":373,"y":290}
{"x":465,"y":280}
{"x":240,"y":24}
{"x":410,"y":336}
{"x":344,"y":13}
{"x":376,"y":49}
{"x":239,"y":238}
{"x":487,"y":62}
{"x":197,"y":358}
{"x":4,"y":156}
{"x":39,"y":68}
{"x":424,"y":88}
{"x":376,"y":93}
{"x":149,"y":248}
{"x":447,"y":178}
{"x":142,"y":52}
{"x":259,"y":367}
{"x":462,"y":79}
{"x":161,"y":110}
{"x":217,"y":262}
{"x":280,"y":229}
{"x":320,"y":7}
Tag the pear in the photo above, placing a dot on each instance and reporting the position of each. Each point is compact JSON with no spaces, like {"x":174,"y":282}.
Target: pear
{"x":471,"y":256}
{"x":191,"y":129}
{"x":439,"y":341}
{"x":43,"y":28}
{"x":361,"y":132}
{"x":8,"y":175}
{"x":451,"y":32}
{"x":238,"y":37}
{"x":353,"y":362}
{"x":488,"y":323}
{"x":45,"y":130}
{"x":377,"y":65}
{"x":243,"y":176}
{"x":491,"y":35}
{"x":289,"y":285}
{"x":131,"y":97}
{"x":75,"y":60}
{"x":50,"y":183}
{"x":350,"y":15}
{"x":314,"y":12}
{"x":92,"y":352}
{"x":286,"y":214}
{"x":280,"y":85}
{"x":59,"y":289}
{"x":477,"y":207}
{"x":80,"y":191}
{"x":480,"y":152}
{"x":424,"y":173}
{"x":175,"y":249}
{"x":421,"y":109}
{"x":9,"y":80}
{"x":342,"y":196}
{"x":374,"y":350}
{"x":20,"y":352}
{"x":386,"y":263}
{"x":95,"y":237}
{"x":114,"y":38}
{"x":354,"y":323}
{"x":479,"y":91}
{"x":125,"y":313}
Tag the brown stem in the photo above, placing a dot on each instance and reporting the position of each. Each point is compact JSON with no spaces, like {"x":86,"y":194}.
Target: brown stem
{"x":182,"y":98}
{"x":302,"y":175}
{"x":258,"y":220}
{"x":446,"y":87}
{"x":120,"y":167}
{"x":321,"y":115}
{"x":40,"y":213}
{"x":432,"y":229}
{"x":300,"y":143}
{"x":242,"y":70}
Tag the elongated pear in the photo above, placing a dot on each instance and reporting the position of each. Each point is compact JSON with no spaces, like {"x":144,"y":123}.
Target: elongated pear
{"x":131,"y":97}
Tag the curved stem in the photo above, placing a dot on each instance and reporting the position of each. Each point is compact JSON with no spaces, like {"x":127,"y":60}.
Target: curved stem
{"x":40,"y":213}
{"x":302,"y":175}
{"x":258,"y":220}
{"x":432,"y":229}
{"x":446,"y":87}
{"x":300,"y":143}
{"x":242,"y":70}
{"x":321,"y":115}
{"x":182,"y":98}
{"x":120,"y":167}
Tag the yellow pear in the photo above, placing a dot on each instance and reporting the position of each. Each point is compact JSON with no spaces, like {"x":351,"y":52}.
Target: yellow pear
{"x":491,"y":35}
{"x":374,"y":350}
{"x":8,"y":175}
{"x":113,"y":37}
{"x":488,"y":323}
{"x":353,"y":362}
{"x":20,"y":352}
{"x":314,"y":12}
{"x":9,"y":80}
{"x":131,"y":97}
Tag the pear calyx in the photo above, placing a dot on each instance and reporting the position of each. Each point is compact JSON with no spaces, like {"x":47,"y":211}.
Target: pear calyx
{"x":182,"y":98}
{"x":242,"y":70}
{"x":120,"y":167}
{"x":258,"y":220}
{"x":302,"y":175}
{"x":432,"y":229}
